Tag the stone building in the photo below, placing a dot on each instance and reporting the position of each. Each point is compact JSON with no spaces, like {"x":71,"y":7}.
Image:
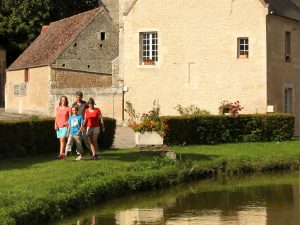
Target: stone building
{"x":2,"y":74}
{"x":75,"y":53}
{"x":203,"y":53}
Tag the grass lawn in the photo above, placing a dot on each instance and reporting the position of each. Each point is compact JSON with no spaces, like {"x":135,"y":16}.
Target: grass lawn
{"x":41,"y":188}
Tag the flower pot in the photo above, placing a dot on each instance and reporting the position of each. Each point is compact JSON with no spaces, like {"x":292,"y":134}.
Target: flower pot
{"x":149,"y":62}
{"x":148,"y":139}
{"x":226,"y":111}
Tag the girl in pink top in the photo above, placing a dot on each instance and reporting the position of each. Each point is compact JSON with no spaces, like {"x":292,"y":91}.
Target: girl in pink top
{"x":63,"y":111}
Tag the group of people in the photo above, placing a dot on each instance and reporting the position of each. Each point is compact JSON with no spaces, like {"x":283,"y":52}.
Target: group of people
{"x":76,"y":123}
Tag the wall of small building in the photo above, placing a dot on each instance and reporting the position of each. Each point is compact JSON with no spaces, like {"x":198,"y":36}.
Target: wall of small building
{"x":197,"y":54}
{"x":78,"y":79}
{"x":29,"y":97}
{"x":2,"y":75}
{"x":88,"y":52}
{"x":112,"y":7}
{"x":109,"y":99}
{"x":281,"y":73}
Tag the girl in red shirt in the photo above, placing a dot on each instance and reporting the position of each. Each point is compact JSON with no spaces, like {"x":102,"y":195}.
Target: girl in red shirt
{"x":91,"y":121}
{"x":63,"y":111}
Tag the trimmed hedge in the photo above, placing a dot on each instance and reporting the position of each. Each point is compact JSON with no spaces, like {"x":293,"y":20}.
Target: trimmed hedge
{"x":210,"y":129}
{"x":33,"y":136}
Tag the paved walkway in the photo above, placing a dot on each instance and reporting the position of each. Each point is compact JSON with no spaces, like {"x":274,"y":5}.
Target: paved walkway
{"x":124,"y":138}
{"x":9,"y":116}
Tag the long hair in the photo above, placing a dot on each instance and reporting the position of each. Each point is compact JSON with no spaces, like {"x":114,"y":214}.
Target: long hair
{"x":60,"y":100}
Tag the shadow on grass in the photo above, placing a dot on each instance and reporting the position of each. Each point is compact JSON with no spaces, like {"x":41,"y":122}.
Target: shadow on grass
{"x":26,"y":161}
{"x":136,"y":155}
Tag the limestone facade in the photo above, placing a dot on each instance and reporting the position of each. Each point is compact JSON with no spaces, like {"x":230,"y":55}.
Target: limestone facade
{"x":283,"y":68}
{"x":2,"y":74}
{"x":198,"y":59}
{"x":28,"y":95}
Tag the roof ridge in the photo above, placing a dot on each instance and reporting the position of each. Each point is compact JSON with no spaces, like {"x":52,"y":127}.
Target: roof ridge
{"x":79,"y":14}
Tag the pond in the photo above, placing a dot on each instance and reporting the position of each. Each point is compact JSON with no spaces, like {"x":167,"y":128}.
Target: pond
{"x":269,"y":199}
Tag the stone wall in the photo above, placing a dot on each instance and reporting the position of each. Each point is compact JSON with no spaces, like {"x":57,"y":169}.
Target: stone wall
{"x":197,"y":54}
{"x":77,"y":79}
{"x":28,"y":97}
{"x":94,"y":48}
{"x":112,"y":7}
{"x":281,"y":73}
{"x":109,"y":100}
{"x":2,"y":74}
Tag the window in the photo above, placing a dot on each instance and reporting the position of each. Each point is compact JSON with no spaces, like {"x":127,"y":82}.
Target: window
{"x":20,"y":89}
{"x":149,"y":48}
{"x":288,"y":100}
{"x":243,"y":48}
{"x":26,"y":75}
{"x":287,"y":46}
{"x":102,"y":36}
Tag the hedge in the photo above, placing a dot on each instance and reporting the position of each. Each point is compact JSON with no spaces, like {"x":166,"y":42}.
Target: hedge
{"x":210,"y":129}
{"x":33,"y":136}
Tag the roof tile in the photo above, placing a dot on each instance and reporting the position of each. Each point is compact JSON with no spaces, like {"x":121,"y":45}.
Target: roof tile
{"x":53,"y":40}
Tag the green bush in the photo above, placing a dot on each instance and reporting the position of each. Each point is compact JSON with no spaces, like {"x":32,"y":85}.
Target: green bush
{"x":208,"y":129}
{"x":33,"y":136}
{"x":107,"y":138}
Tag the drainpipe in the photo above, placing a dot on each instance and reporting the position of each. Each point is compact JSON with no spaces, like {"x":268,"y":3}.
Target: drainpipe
{"x":124,"y":89}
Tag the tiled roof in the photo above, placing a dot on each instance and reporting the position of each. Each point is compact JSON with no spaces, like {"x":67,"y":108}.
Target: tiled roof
{"x":53,"y":40}
{"x":286,"y":8}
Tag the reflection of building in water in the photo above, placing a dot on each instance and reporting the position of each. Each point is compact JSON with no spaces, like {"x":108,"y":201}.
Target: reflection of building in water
{"x":286,"y":209}
{"x":140,"y":216}
{"x":248,"y":215}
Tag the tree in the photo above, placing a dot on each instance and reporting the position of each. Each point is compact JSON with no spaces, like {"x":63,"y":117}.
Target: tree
{"x":21,"y":20}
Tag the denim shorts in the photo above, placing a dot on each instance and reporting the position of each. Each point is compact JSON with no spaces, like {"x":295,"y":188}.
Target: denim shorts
{"x":93,"y":130}
{"x":62,"y":132}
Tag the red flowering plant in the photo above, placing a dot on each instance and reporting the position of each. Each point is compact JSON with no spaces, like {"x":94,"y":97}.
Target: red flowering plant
{"x":232,"y":108}
{"x":148,"y":121}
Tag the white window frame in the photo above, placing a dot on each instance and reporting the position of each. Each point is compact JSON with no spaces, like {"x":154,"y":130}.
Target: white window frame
{"x":149,"y":46}
{"x":20,"y":89}
{"x":288,"y":100}
{"x":243,"y":47}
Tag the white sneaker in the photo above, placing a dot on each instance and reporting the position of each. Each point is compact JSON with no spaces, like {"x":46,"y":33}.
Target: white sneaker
{"x":79,"y":157}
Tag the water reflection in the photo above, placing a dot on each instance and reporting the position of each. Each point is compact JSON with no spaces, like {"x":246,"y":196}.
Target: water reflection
{"x":256,"y":200}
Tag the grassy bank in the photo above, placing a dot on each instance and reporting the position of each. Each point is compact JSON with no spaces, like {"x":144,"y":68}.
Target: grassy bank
{"x":38,"y":189}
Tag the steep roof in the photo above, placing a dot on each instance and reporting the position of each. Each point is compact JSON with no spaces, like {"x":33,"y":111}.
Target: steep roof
{"x":286,"y":8}
{"x":53,"y":40}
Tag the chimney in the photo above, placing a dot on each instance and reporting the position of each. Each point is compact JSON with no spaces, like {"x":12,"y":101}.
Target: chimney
{"x":44,"y":28}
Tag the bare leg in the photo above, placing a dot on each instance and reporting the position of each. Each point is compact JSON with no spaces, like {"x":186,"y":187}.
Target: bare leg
{"x":62,"y":145}
{"x":94,"y":144}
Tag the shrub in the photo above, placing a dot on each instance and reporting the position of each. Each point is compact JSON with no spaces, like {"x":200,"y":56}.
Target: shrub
{"x":107,"y":138}
{"x":214,"y":129}
{"x":32,"y":136}
{"x":148,"y":121}
{"x":190,"y":110}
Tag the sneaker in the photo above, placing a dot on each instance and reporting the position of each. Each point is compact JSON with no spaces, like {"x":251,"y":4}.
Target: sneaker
{"x":95,"y":157}
{"x":79,"y":157}
{"x":61,"y":156}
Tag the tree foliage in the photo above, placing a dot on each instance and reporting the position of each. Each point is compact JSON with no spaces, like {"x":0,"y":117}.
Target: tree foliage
{"x":21,"y":20}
